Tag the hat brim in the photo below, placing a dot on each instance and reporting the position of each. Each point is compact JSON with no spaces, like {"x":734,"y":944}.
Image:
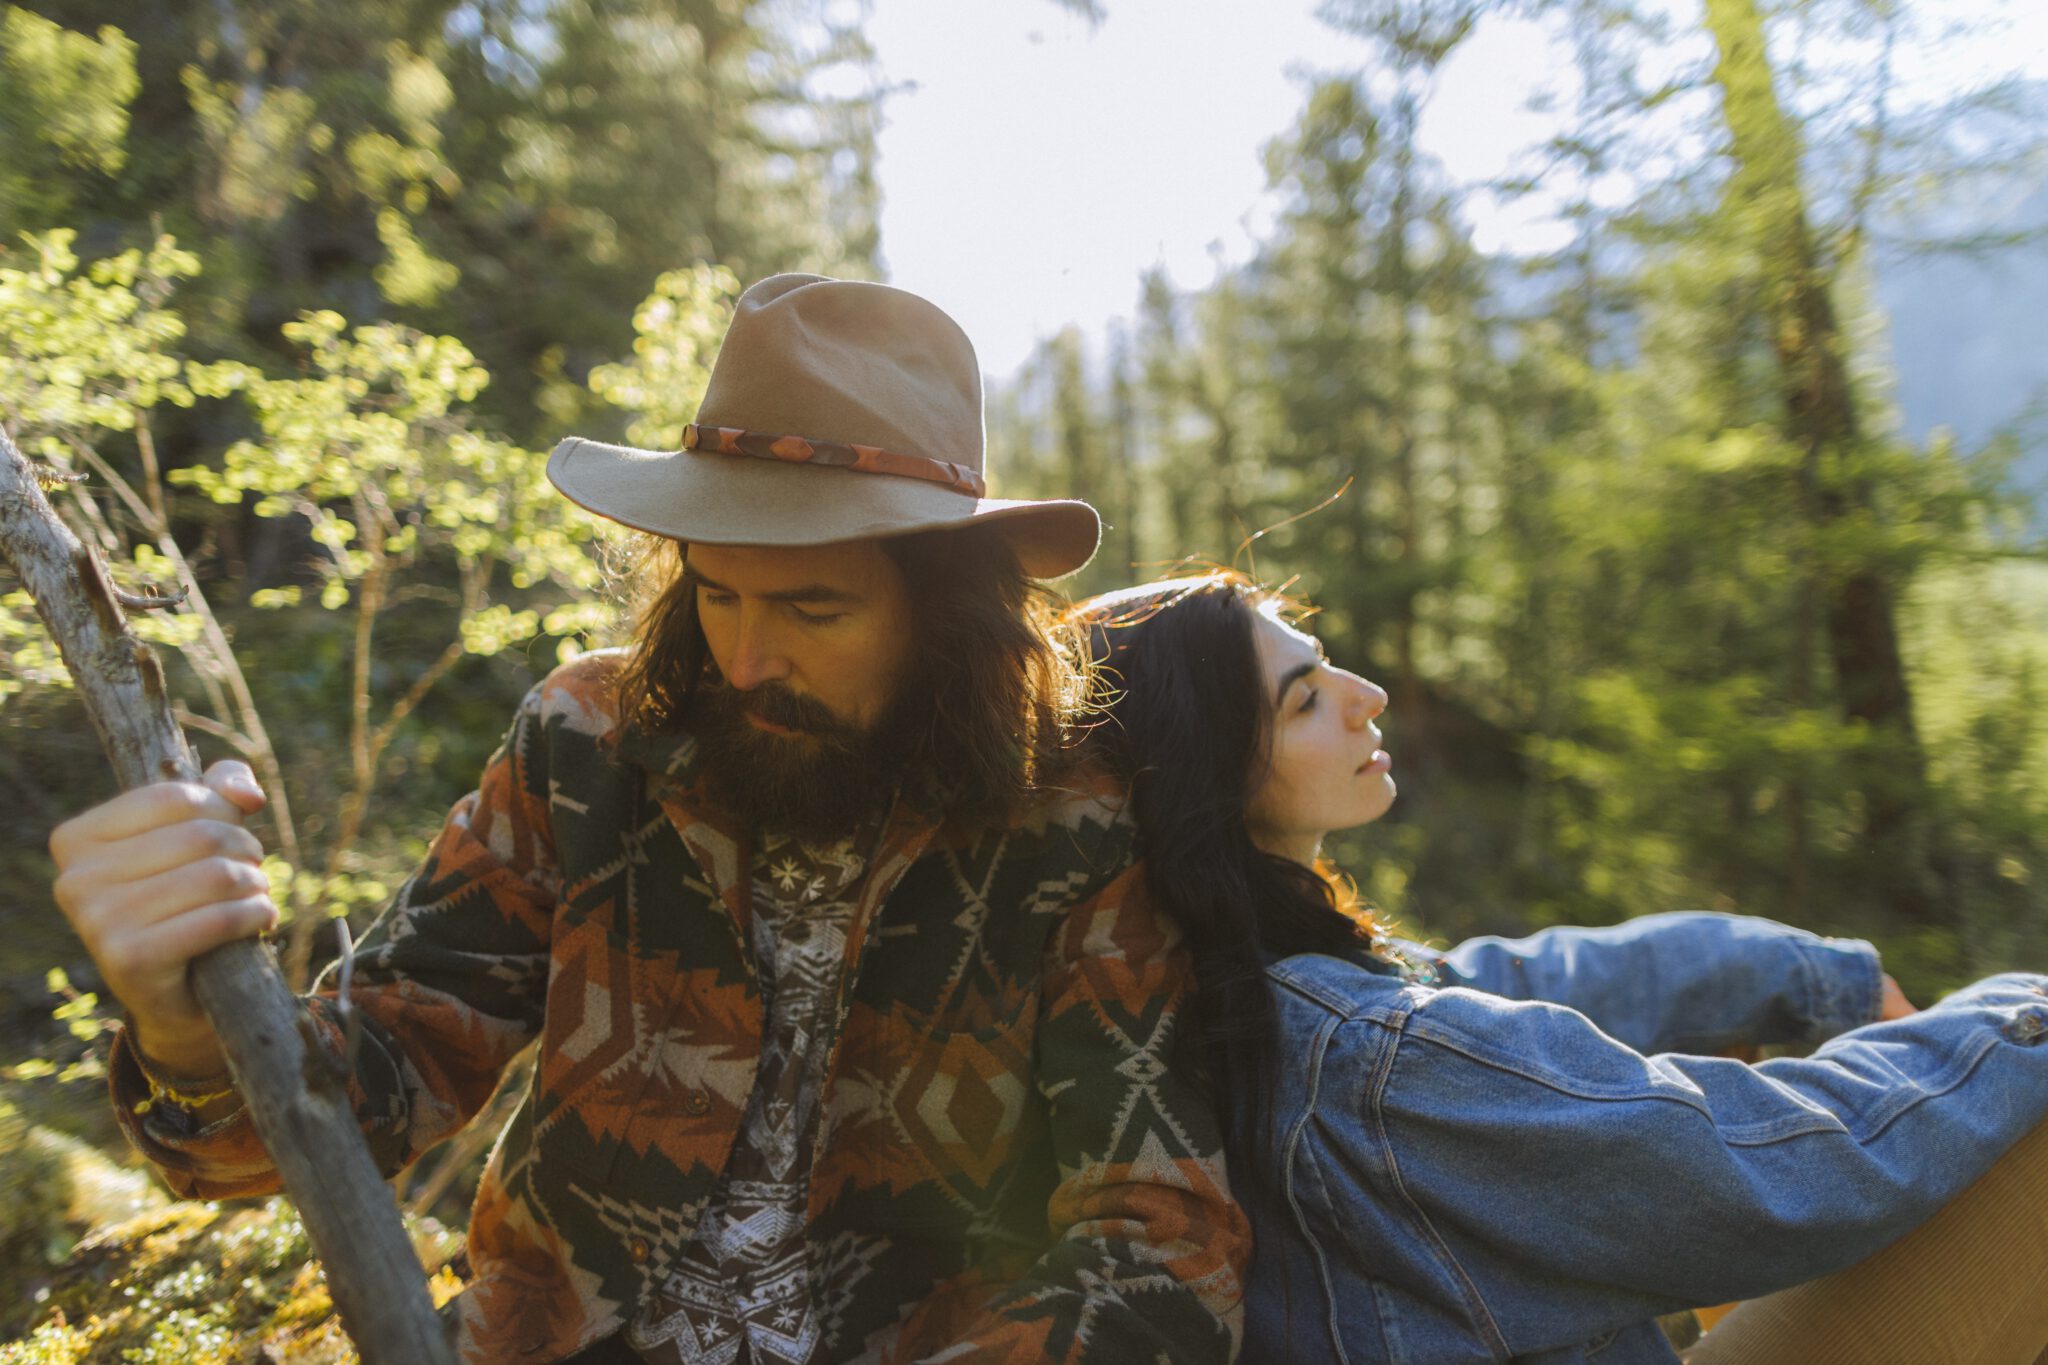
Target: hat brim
{"x":714,"y":499}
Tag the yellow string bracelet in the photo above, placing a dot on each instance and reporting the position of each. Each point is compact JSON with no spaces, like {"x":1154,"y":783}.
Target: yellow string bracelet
{"x":164,"y":1091}
{"x":159,"y":1093}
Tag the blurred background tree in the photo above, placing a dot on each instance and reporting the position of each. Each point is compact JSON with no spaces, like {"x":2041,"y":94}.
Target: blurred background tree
{"x":1629,"y":532}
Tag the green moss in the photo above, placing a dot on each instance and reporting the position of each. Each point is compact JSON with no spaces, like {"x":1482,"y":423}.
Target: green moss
{"x":187,"y":1337}
{"x":53,"y":1190}
{"x":201,"y":1284}
{"x":54,"y":1343}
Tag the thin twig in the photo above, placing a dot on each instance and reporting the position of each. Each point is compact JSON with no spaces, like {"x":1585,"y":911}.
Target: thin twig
{"x":457,"y":1153}
{"x":135,"y":601}
{"x":235,"y":739}
{"x":50,"y":479}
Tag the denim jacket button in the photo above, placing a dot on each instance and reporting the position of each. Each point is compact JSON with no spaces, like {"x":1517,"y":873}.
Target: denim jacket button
{"x":2028,"y":1028}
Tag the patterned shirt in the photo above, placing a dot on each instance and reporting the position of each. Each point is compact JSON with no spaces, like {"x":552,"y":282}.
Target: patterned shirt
{"x":746,"y":1277}
{"x":1011,"y":1165}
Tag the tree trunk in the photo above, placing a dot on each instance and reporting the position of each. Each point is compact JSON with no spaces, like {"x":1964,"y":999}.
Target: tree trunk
{"x":1767,"y":206}
{"x":1123,"y":455}
{"x":1404,"y":410}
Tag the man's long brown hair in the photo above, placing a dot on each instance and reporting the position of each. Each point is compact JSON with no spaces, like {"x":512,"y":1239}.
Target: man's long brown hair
{"x":1001,"y":674}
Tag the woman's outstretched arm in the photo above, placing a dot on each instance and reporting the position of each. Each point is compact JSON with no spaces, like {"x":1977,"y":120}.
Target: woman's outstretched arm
{"x":1689,"y":982}
{"x":1528,"y":1176}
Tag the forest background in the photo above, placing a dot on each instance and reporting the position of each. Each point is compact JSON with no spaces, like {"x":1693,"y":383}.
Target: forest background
{"x":1673,"y":612}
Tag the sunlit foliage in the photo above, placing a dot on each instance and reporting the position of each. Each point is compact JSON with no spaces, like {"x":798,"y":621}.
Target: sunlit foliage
{"x":1670,"y":614}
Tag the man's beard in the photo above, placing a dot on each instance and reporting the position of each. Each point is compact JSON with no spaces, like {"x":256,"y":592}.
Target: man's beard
{"x":817,"y":784}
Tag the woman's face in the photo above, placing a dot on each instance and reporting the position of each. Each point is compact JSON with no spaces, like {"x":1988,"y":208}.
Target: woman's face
{"x":1326,"y":769}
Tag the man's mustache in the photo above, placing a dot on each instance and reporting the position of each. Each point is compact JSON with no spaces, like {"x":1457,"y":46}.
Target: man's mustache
{"x":778,"y":705}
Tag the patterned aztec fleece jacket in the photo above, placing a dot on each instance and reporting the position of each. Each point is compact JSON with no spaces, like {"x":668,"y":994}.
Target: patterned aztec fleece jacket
{"x":1009,"y":1165}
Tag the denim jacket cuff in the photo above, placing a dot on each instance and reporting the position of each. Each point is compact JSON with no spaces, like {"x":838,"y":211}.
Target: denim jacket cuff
{"x":1846,"y":984}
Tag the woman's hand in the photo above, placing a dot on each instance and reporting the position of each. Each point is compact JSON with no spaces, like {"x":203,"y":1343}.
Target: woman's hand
{"x":151,"y":880}
{"x":1895,"y":1005}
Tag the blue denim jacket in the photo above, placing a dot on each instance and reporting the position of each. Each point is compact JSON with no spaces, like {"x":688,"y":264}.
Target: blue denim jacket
{"x":1504,"y":1155}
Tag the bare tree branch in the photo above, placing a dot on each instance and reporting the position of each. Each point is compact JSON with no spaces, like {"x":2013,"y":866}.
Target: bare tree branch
{"x":215,"y":665}
{"x":296,"y":1093}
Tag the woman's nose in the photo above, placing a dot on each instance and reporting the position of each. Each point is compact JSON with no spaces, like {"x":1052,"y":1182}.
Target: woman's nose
{"x":1368,"y":699}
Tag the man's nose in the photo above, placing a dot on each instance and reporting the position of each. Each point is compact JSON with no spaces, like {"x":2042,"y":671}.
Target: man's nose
{"x":757,"y":654}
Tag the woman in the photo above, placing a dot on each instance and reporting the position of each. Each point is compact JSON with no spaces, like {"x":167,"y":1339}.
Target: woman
{"x":1505,"y":1152}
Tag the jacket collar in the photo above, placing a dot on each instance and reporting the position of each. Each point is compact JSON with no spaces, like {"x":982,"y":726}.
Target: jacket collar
{"x":668,"y":756}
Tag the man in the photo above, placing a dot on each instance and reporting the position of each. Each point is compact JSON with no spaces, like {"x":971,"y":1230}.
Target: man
{"x":855,"y":1025}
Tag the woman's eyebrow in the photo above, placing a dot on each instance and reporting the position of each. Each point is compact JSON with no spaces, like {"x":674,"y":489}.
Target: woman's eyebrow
{"x":1293,"y":675}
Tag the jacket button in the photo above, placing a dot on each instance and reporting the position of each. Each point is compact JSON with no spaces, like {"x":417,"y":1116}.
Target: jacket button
{"x":697,"y":1103}
{"x":638,"y":1251}
{"x":2028,"y":1028}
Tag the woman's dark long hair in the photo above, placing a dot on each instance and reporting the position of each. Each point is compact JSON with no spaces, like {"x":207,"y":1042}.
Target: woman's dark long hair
{"x":1187,"y":723}
{"x":1002,"y":673}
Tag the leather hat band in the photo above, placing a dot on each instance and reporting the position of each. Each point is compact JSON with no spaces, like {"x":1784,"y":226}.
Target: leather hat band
{"x":862,"y":459}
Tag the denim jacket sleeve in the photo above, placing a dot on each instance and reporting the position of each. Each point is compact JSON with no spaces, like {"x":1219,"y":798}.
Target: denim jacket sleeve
{"x":1690,"y":982}
{"x":1543,"y":1183}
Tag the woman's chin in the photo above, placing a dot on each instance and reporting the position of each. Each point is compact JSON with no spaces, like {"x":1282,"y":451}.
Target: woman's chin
{"x":1380,"y":798}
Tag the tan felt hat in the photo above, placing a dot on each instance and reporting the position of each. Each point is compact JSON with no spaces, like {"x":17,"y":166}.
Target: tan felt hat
{"x":837,"y":410}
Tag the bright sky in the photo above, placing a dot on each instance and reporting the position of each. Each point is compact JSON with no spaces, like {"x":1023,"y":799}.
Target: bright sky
{"x":1033,"y":165}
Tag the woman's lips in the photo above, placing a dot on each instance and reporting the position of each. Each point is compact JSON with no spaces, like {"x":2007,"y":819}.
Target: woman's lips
{"x":1380,"y":762}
